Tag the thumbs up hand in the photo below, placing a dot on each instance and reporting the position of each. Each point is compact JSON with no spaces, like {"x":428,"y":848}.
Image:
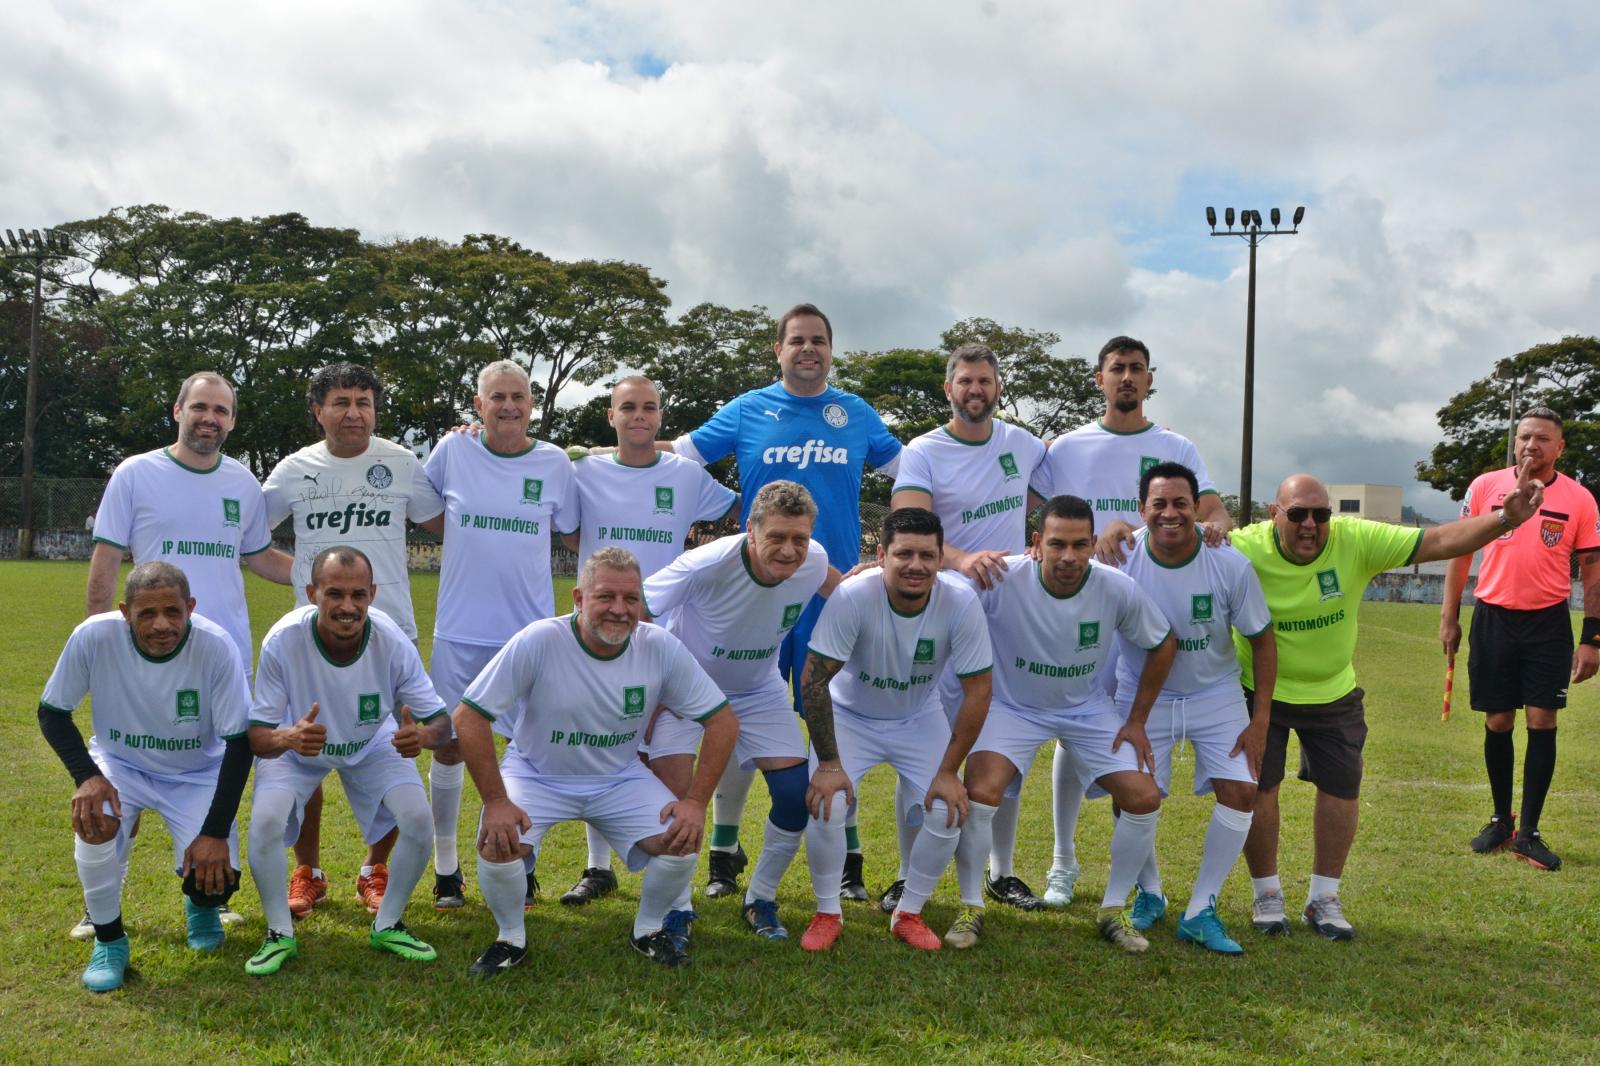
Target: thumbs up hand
{"x":407,"y":740}
{"x":306,"y":738}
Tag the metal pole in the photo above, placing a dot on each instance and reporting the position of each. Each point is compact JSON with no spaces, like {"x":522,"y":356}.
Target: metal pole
{"x":25,"y":533}
{"x":1511,"y":431}
{"x":1245,"y":507}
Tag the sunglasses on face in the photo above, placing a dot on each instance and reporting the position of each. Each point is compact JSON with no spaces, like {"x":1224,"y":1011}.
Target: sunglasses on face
{"x":1296,"y":515}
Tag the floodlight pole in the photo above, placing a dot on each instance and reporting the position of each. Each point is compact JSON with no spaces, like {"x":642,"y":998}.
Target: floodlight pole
{"x":53,"y":246}
{"x":1252,"y":233}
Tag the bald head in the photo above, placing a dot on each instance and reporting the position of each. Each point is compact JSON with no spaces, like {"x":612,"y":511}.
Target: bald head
{"x":1301,"y":517}
{"x":1296,"y":486}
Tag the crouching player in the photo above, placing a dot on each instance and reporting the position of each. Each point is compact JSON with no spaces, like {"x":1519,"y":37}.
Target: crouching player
{"x":170,"y":708}
{"x":333,"y":679}
{"x":575,"y":693}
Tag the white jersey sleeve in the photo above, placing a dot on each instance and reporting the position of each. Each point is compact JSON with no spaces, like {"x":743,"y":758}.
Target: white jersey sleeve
{"x":675,"y":585}
{"x":69,"y":681}
{"x":914,"y":474}
{"x":1191,"y":459}
{"x":1248,"y":603}
{"x":715,"y":499}
{"x":687,"y":688}
{"x":424,"y":501}
{"x":970,"y":650}
{"x":113,"y":519}
{"x":498,"y":692}
{"x":270,"y":705}
{"x":1139,"y":621}
{"x":838,"y":626}
{"x":277,"y":491}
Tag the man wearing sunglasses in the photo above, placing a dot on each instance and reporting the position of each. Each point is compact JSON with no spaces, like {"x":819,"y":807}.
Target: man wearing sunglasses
{"x":1314,"y":569}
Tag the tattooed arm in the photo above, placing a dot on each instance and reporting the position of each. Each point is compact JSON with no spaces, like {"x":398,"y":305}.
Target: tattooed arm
{"x":829,"y":777}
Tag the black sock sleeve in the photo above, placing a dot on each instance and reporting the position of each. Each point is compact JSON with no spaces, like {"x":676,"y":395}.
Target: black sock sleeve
{"x":62,"y":734}
{"x":236,"y":762}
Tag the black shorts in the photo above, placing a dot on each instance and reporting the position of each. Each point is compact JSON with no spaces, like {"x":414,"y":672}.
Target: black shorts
{"x":1331,"y":738}
{"x":1519,"y":658}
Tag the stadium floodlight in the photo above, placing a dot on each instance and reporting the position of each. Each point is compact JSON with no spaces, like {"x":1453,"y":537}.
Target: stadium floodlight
{"x":1299,"y":213}
{"x":38,"y":241}
{"x":12,"y":238}
{"x":1277,"y":216}
{"x":1255,"y":216}
{"x":1211,"y":217}
{"x":1227,"y":216}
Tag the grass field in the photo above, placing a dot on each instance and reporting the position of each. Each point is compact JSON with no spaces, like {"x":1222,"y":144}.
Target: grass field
{"x":1460,"y":957}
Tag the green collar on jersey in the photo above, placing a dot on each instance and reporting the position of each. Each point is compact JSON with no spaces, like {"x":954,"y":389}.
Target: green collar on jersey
{"x":1291,"y":560}
{"x":590,"y":652}
{"x":188,"y":627}
{"x":910,"y":614}
{"x":1178,"y":565}
{"x":213,"y":468}
{"x":484,"y":439}
{"x":970,"y":443}
{"x":744,"y":557}
{"x":1038,"y":571}
{"x":316,"y":637}
{"x":1146,"y":428}
{"x":616,"y":457}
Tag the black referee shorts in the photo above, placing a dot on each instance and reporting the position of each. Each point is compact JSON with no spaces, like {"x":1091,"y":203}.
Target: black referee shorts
{"x":1519,"y":658}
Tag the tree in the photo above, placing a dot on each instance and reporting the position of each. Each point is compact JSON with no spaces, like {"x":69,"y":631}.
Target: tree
{"x":1475,"y":420}
{"x":1044,"y":393}
{"x":711,"y":354}
{"x":904,"y":385}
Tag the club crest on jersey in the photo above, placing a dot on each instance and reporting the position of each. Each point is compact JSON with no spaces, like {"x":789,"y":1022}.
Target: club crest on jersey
{"x":663,"y":499}
{"x":1200,"y":608}
{"x":230,"y":512}
{"x":633,"y":701}
{"x":1146,"y":462}
{"x":368,"y":708}
{"x":379,"y":476}
{"x":924,"y":652}
{"x":1328,"y":583}
{"x":1550,"y":530}
{"x":532,"y":489}
{"x":188,"y":705}
{"x":835,"y":416}
{"x":1008,"y":466}
{"x":791,"y":615}
{"x":1088,"y":635}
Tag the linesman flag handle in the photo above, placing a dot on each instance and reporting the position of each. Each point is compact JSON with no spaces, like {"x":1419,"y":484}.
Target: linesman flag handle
{"x":1449,"y":683}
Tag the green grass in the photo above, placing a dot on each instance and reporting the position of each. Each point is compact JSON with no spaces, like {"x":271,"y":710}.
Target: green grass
{"x":1460,"y":957}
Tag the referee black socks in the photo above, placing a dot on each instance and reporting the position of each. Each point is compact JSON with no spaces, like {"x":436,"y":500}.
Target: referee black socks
{"x":1499,"y":757}
{"x":1538,"y":768}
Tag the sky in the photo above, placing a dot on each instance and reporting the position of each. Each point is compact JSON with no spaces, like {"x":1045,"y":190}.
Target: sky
{"x":908,"y":165}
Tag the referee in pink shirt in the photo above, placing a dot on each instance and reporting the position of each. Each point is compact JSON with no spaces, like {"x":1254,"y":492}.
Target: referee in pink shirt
{"x":1521,"y":649}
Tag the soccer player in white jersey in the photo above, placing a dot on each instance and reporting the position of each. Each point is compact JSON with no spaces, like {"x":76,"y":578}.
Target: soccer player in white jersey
{"x":1101,"y":462}
{"x":350,"y":488}
{"x":575,"y":693}
{"x":644,"y":500}
{"x":334,"y":678}
{"x":1206,"y":594}
{"x":506,"y":497}
{"x":732,"y":602}
{"x":169,"y":713}
{"x":870,"y":696}
{"x":973,"y":472}
{"x":1053,"y":621}
{"x":192,"y":506}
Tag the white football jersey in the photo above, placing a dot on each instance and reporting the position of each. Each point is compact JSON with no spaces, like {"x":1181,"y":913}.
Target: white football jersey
{"x":979,"y":491}
{"x":729,"y":621}
{"x":201,"y":521}
{"x":500,"y":514}
{"x":166,"y":716}
{"x":359,"y":700}
{"x":1052,"y":647}
{"x":891,"y":659}
{"x":362,"y":501}
{"x":572,"y":713}
{"x":1204,"y":598}
{"x":1104,"y":467}
{"x":645,"y":509}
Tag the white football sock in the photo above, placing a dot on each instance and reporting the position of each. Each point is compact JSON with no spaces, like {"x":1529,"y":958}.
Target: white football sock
{"x":778,"y":849}
{"x":504,"y":884}
{"x":665,"y":879}
{"x":1131,"y":841}
{"x":1066,"y":798}
{"x":409,"y":806}
{"x":1003,"y":845}
{"x":1149,"y":877}
{"x":1224,"y":842}
{"x":971,"y":851}
{"x":269,"y":863}
{"x":935,"y":846}
{"x":1321,"y":887}
{"x":825,"y":853}
{"x":444,"y":797}
{"x":1269,"y":883}
{"x":905,"y":798}
{"x":101,"y":876}
{"x":727,"y":802}
{"x":599,"y":848}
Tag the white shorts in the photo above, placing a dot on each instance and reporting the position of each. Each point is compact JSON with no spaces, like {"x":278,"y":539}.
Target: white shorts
{"x":625,"y":806}
{"x":768,"y":729}
{"x":365,"y":785}
{"x":913,"y":746}
{"x":1211,"y":722}
{"x":455,"y":666}
{"x":1017,"y":734}
{"x":182,"y":800}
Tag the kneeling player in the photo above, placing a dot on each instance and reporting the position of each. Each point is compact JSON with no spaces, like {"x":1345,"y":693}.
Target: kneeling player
{"x":870,"y":695}
{"x":574,"y":693}
{"x":1055,"y":618}
{"x":169,"y":714}
{"x":333,"y":678}
{"x":1205,"y":594}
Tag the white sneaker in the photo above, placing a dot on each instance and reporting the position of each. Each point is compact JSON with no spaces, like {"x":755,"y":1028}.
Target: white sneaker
{"x":1268,"y":915}
{"x":1058,"y":885}
{"x":84,"y":930}
{"x":1326,"y":916}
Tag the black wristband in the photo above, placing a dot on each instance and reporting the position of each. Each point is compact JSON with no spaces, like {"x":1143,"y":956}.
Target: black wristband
{"x":1591,"y":632}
